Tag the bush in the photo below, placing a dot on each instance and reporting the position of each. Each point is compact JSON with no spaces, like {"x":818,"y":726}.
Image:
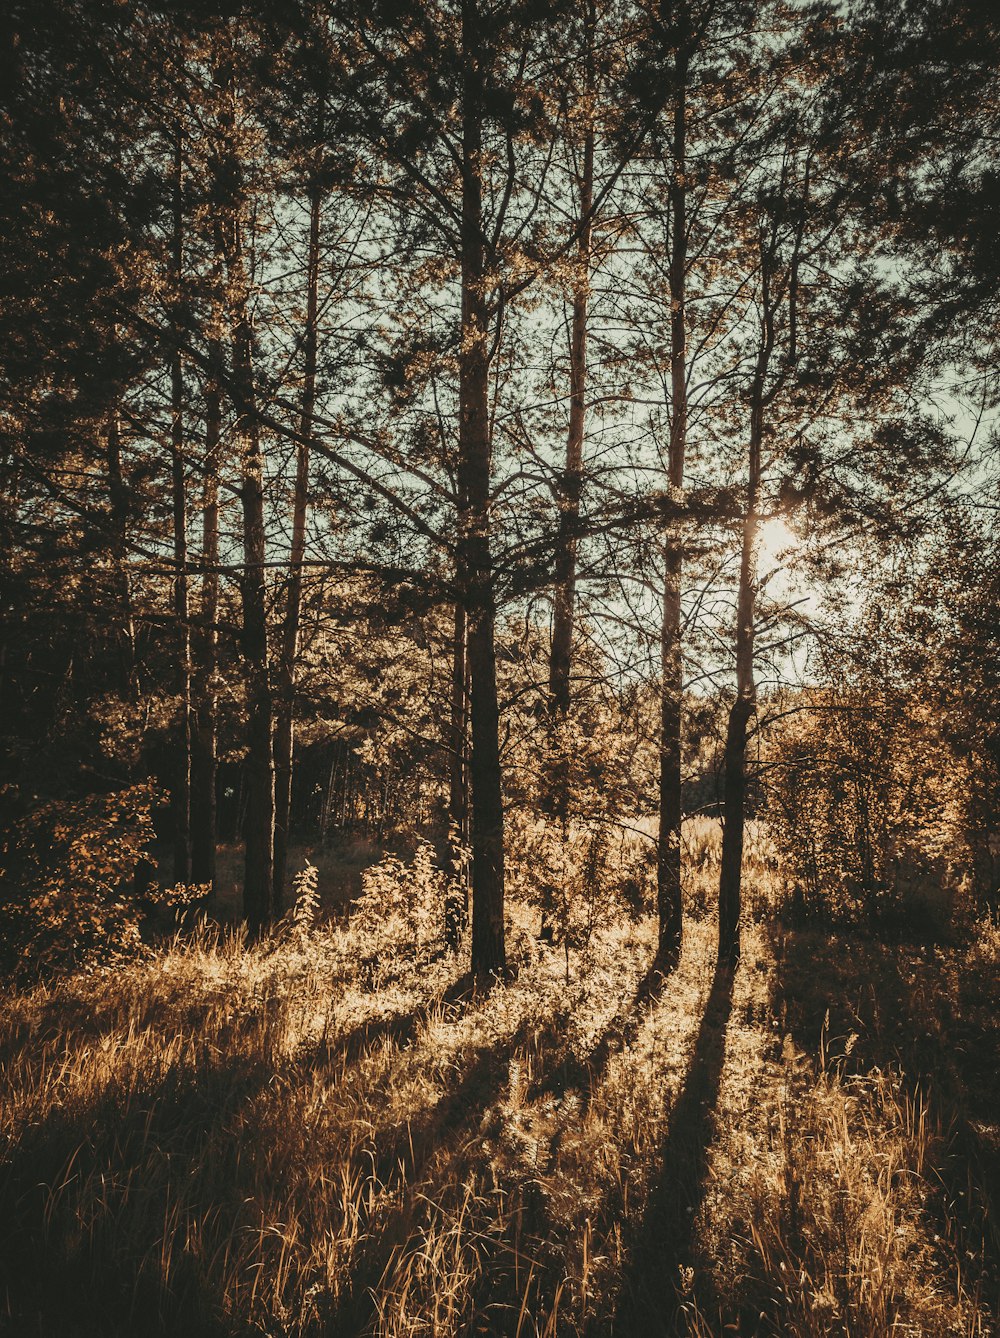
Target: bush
{"x":73,"y":889}
{"x":867,"y":810}
{"x":402,"y":905}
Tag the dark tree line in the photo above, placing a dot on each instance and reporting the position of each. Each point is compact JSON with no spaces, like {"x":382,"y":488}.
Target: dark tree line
{"x":340,"y":341}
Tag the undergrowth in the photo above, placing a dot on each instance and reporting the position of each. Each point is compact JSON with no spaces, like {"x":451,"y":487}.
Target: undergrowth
{"x":298,"y":1138}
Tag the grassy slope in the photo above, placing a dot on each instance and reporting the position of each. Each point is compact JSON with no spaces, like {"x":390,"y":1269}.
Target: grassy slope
{"x":290,"y":1140}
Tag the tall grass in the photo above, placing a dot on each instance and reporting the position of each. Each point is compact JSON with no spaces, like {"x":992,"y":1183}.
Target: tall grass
{"x":286,"y":1140}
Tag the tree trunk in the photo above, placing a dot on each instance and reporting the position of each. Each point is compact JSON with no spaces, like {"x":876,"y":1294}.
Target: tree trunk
{"x":668,"y":866}
{"x":258,"y":825}
{"x":668,"y":871}
{"x":571,"y":483}
{"x":741,"y":712}
{"x":284,"y":731}
{"x":182,"y":770}
{"x":475,"y":556}
{"x":204,"y":741}
{"x":457,"y":907}
{"x":259,"y":821}
{"x":118,"y":498}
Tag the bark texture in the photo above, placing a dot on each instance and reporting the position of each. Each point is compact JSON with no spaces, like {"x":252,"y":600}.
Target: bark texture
{"x":745,"y":705}
{"x":668,"y":868}
{"x":284,"y":730}
{"x":182,"y":767}
{"x":204,"y":738}
{"x":258,"y":821}
{"x":571,"y":483}
{"x":475,"y":555}
{"x":125,"y":617}
{"x":740,"y":715}
{"x":457,"y":909}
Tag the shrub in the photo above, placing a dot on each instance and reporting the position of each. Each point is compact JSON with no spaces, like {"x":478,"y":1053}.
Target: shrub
{"x":306,"y":908}
{"x":402,"y":905}
{"x":73,"y":885}
{"x":867,"y":810}
{"x":581,"y":877}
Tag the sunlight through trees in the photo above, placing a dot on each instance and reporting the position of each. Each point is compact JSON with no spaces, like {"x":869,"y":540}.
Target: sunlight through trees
{"x":499,"y":565}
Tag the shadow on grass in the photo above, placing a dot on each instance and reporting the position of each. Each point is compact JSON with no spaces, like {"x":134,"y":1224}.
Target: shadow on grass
{"x":526,"y":1274}
{"x":584,"y":1075}
{"x":92,"y":1267}
{"x":508,"y":1224}
{"x":916,"y":1009}
{"x":97,"y":1189}
{"x":73,"y":1021}
{"x":623,"y":1031}
{"x":399,"y":1028}
{"x":652,"y":1290}
{"x":404,"y":1161}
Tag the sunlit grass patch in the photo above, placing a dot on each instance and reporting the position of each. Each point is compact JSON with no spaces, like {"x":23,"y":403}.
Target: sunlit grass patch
{"x":272,"y":1139}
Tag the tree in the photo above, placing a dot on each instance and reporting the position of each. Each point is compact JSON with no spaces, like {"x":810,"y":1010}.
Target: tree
{"x":464,"y":134}
{"x":684,"y":200}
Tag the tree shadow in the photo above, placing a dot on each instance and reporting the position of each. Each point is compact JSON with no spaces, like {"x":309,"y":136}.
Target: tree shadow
{"x":653,"y":1287}
{"x":517,"y":1262}
{"x":347,"y":1047}
{"x":134,"y":1145}
{"x":75,"y":1020}
{"x":584,"y":1075}
{"x":623,"y":1030}
{"x":525,"y":1271}
{"x":405,"y":1154}
{"x":55,"y":1276}
{"x":878,"y":1006}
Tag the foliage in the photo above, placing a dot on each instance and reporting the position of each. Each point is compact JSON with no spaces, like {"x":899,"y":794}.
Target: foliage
{"x":571,"y":853}
{"x":953,"y":647}
{"x":867,"y":808}
{"x":305,"y":910}
{"x":72,"y":881}
{"x":567,"y":874}
{"x":402,"y":905}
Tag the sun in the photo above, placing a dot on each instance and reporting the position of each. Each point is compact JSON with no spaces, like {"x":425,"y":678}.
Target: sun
{"x":776,"y":541}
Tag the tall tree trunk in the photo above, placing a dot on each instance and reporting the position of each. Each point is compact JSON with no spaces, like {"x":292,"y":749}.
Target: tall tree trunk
{"x":258,"y":771}
{"x":742,"y":710}
{"x":571,"y":483}
{"x":204,"y":743}
{"x":258,"y":823}
{"x":118,"y":495}
{"x":259,"y":820}
{"x":745,"y":703}
{"x":182,"y":768}
{"x":668,"y":871}
{"x":457,"y":907}
{"x":284,"y":730}
{"x":475,"y":555}
{"x":118,"y":508}
{"x":128,"y":684}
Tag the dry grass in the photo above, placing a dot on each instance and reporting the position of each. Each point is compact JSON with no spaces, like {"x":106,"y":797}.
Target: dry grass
{"x":284,"y":1140}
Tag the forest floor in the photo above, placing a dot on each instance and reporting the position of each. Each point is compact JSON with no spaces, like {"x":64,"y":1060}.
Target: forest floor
{"x":303,"y":1138}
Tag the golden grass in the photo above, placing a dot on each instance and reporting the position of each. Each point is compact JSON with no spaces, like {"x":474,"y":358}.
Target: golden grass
{"x":282,"y":1140}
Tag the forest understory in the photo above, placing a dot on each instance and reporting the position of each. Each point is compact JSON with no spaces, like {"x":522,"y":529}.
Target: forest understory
{"x":309,"y":1137}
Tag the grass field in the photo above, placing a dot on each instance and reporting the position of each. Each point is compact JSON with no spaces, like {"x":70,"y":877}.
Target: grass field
{"x":301,"y":1139}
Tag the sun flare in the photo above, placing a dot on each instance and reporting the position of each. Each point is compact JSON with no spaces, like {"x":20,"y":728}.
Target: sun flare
{"x":776,"y":541}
